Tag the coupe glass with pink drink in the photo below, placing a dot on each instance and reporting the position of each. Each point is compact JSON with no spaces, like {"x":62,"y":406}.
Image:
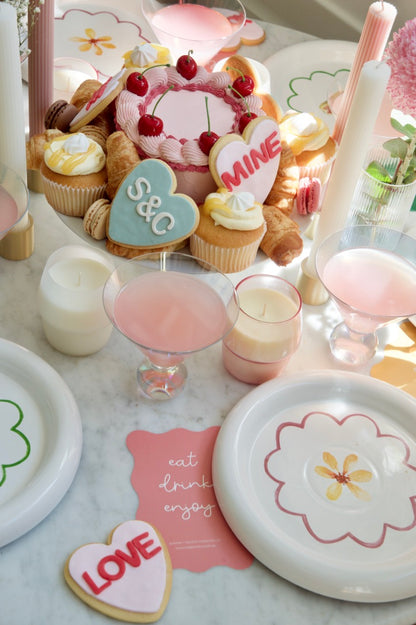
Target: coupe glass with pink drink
{"x":370,"y":273}
{"x":170,"y":305}
{"x":203,"y":26}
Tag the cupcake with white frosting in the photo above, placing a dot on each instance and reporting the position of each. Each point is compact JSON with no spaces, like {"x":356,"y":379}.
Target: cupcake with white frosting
{"x":74,"y":173}
{"x":309,"y":139}
{"x":230,"y":230}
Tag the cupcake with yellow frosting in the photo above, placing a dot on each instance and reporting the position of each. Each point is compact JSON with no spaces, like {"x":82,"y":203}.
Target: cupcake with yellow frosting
{"x":308,"y":138}
{"x":147,"y":55}
{"x":230,"y":230}
{"x":73,"y":173}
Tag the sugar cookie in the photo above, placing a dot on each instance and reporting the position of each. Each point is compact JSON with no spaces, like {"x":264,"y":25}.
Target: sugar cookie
{"x":129,"y":578}
{"x":99,"y":100}
{"x":147,"y":213}
{"x":248,"y":163}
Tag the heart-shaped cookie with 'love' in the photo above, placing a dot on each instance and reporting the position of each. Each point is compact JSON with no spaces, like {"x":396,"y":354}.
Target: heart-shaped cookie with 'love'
{"x":146,"y":213}
{"x":249,"y":162}
{"x":129,"y":578}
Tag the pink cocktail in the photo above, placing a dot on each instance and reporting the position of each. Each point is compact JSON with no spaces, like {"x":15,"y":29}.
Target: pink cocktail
{"x":203,"y":27}
{"x":170,"y":306}
{"x":370,"y":272}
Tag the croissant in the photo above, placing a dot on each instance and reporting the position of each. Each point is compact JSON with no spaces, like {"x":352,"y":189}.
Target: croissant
{"x":282,"y":241}
{"x":35,"y":147}
{"x":122,"y":157}
{"x":283,"y":192}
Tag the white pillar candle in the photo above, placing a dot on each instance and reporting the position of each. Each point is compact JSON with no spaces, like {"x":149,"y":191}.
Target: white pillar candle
{"x":70,"y":300}
{"x":354,"y":144}
{"x":12,"y":117}
{"x":267,"y":331}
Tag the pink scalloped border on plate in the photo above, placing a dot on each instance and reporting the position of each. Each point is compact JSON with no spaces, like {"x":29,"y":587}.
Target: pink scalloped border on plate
{"x":100,"y":37}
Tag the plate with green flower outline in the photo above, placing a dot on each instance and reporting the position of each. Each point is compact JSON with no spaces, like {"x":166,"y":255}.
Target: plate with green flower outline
{"x":315,"y":473}
{"x":305,"y":75}
{"x":40,"y":440}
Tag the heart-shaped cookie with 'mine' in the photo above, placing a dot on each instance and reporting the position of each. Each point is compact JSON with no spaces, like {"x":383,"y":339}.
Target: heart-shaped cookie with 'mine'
{"x":129,"y":578}
{"x":147,"y":213}
{"x":248,"y":163}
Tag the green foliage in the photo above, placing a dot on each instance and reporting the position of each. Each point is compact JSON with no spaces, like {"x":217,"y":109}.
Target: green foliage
{"x":404,"y":150}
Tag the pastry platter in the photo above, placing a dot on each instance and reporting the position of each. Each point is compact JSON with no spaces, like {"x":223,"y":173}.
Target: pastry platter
{"x":305,"y":75}
{"x":316,"y":475}
{"x":40,"y":440}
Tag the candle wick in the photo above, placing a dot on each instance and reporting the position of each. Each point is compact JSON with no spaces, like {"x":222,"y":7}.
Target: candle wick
{"x":263,"y":314}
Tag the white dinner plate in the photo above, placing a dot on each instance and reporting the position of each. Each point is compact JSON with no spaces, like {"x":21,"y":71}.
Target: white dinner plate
{"x":316,"y":475}
{"x":40,"y":440}
{"x":304,"y":75}
{"x":98,"y":35}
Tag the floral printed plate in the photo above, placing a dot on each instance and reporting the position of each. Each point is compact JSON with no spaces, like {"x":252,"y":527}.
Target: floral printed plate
{"x":40,"y":440}
{"x":98,"y":35}
{"x":304,"y":76}
{"x":316,"y":475}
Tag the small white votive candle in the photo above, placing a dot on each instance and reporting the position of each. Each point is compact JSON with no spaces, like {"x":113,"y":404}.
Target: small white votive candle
{"x":267,"y":331}
{"x":70,"y":300}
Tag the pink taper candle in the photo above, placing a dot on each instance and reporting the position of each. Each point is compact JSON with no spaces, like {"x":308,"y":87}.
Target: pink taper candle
{"x":41,"y":45}
{"x":371,"y":46}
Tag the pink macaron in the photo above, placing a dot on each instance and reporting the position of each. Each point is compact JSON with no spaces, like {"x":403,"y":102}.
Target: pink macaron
{"x":308,"y":195}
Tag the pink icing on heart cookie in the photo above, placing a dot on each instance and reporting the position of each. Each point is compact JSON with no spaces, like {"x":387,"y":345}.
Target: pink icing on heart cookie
{"x":248,"y":163}
{"x":129,"y":578}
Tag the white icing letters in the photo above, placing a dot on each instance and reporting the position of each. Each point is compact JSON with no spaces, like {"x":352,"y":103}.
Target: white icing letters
{"x":149,"y":209}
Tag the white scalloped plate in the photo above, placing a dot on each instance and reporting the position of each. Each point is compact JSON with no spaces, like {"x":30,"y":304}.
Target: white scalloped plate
{"x":115,"y":32}
{"x":40,"y":440}
{"x":304,"y":75}
{"x":346,"y":530}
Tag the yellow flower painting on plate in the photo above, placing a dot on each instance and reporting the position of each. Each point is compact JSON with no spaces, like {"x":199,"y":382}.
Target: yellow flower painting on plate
{"x":93,"y":42}
{"x":343,"y":478}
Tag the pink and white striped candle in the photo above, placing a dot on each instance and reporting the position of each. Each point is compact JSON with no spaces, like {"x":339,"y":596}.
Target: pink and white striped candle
{"x":41,"y":45}
{"x":371,"y":46}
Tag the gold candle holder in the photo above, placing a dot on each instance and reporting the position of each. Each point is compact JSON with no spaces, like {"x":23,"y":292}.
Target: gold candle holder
{"x":310,"y":287}
{"x":19,"y":244}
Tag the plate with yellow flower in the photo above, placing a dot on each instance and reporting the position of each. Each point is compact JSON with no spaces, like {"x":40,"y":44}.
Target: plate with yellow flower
{"x":98,"y":35}
{"x":316,"y":475}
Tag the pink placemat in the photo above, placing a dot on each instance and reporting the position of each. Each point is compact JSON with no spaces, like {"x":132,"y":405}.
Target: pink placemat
{"x":173,"y":481}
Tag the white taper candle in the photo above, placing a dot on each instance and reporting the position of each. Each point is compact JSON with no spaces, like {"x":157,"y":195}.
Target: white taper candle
{"x":12,"y":116}
{"x":354,"y":144}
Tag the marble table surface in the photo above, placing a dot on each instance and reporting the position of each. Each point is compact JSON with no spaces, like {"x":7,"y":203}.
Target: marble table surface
{"x":32,"y":586}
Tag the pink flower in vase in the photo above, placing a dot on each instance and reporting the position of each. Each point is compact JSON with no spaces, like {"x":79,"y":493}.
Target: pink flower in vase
{"x":400,"y":55}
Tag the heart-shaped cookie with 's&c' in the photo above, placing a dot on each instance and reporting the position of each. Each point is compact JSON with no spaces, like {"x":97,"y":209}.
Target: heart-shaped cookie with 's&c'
{"x":147,"y":213}
{"x":248,"y":163}
{"x":129,"y":578}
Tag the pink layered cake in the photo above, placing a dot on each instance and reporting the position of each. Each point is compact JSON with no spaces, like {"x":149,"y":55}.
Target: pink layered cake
{"x":183,"y":110}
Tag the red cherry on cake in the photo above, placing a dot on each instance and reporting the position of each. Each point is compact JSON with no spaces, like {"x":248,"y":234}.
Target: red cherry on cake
{"x":207,"y":138}
{"x":206,"y":141}
{"x":186,"y":66}
{"x":243,"y":85}
{"x":137,"y":83}
{"x":150,"y":125}
{"x":245,"y":119}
